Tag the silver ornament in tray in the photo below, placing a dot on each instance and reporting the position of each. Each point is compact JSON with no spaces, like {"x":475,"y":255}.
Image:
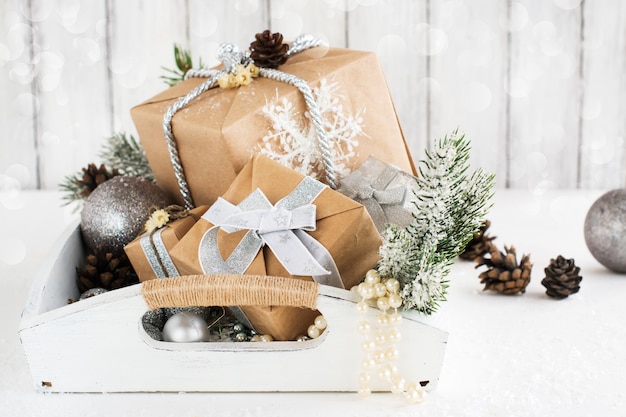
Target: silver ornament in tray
{"x":116,"y":211}
{"x":185,"y":327}
{"x":605,"y":230}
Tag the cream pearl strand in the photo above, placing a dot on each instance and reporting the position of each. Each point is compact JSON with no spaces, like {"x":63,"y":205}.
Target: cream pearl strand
{"x":381,"y":350}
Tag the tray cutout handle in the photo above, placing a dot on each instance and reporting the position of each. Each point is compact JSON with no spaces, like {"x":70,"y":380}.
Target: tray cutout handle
{"x":229,"y":290}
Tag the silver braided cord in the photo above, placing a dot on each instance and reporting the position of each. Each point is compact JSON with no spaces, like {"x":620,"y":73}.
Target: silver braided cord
{"x":231,"y":56}
{"x":201,"y":73}
{"x":171,"y":141}
{"x":302,"y":43}
{"x":316,"y":118}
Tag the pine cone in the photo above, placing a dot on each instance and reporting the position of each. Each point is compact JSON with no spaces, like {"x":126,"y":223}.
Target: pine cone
{"x":94,"y":176}
{"x":562,"y":278}
{"x":103,"y":270}
{"x":479,"y":245}
{"x":268,"y":51}
{"x":505,"y":274}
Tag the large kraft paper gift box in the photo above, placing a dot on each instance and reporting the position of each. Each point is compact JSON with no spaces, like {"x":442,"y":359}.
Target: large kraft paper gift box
{"x":342,"y":226}
{"x":218,"y":132}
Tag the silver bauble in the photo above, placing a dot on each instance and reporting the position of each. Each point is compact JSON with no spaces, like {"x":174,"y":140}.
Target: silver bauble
{"x":117,"y":210}
{"x":605,"y":230}
{"x":185,"y":327}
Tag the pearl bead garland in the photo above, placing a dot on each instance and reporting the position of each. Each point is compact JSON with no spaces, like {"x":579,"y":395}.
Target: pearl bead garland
{"x":380,"y":348}
{"x":315,"y":330}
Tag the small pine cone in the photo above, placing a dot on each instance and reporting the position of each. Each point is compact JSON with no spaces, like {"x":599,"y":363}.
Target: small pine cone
{"x":94,"y":176}
{"x":104,"y":270}
{"x":479,"y":245}
{"x":268,"y":51}
{"x":505,"y":274}
{"x":562,"y":278}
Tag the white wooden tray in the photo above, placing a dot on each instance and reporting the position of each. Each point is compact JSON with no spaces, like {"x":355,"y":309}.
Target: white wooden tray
{"x":99,"y":345}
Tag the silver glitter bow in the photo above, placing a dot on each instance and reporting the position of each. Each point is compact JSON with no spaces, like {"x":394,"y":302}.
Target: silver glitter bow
{"x":382,"y":189}
{"x":230,"y":56}
{"x":281,"y":227}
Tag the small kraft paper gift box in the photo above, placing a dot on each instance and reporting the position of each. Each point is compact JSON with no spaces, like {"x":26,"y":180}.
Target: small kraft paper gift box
{"x":149,"y":252}
{"x":212,"y":131}
{"x":268,"y":211}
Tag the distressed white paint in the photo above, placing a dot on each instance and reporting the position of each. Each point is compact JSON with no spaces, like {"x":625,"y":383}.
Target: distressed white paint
{"x":542,"y":101}
{"x":71,"y":85}
{"x":18,"y":149}
{"x":399,"y":46}
{"x":82,"y":347}
{"x":544,"y":87}
{"x":468,"y":66}
{"x":603,"y":155}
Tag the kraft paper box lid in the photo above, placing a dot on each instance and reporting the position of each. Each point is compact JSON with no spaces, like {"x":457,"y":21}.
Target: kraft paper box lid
{"x":218,"y":132}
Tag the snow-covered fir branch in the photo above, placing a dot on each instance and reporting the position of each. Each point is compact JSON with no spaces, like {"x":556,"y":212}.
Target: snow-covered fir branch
{"x":124,"y":153}
{"x":449,"y":208}
{"x":292,"y":140}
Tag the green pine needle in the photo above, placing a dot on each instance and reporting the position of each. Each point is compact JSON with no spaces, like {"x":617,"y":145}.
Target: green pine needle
{"x":121,"y":152}
{"x":71,"y":188}
{"x":184,"y":62}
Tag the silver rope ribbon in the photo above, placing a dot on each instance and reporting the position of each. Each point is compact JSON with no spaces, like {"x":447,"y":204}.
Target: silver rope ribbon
{"x":281,"y":227}
{"x":230,"y":56}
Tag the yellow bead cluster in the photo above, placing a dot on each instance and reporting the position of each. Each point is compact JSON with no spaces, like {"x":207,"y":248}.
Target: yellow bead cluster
{"x":380,"y":348}
{"x":243,"y":75}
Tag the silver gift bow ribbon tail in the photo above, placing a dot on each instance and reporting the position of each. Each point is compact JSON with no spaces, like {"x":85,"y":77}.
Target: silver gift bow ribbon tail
{"x":281,"y":227}
{"x":157,"y":255}
{"x":230,"y":56}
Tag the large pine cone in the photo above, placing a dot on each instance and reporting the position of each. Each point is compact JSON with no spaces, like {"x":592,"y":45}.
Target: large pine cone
{"x":268,"y":51}
{"x":479,"y":245}
{"x":562,"y":278}
{"x":505,"y":274}
{"x":94,"y":176}
{"x":104,"y":270}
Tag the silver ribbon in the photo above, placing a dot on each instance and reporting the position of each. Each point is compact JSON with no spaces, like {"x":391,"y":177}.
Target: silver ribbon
{"x":281,"y":227}
{"x":383,"y":205}
{"x":157,"y":255}
{"x":230,"y":56}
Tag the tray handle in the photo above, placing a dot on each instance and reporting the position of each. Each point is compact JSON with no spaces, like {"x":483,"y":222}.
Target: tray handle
{"x":229,"y":290}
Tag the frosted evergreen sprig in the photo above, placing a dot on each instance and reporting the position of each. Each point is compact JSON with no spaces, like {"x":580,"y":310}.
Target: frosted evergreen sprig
{"x":120,"y":153}
{"x":449,"y":207}
{"x":124,"y":153}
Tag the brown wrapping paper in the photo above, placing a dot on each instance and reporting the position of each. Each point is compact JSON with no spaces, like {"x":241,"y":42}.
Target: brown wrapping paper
{"x":173,"y":232}
{"x":218,"y":132}
{"x":343,"y":227}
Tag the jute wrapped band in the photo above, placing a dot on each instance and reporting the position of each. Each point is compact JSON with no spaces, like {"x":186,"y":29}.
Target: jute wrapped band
{"x":229,"y":290}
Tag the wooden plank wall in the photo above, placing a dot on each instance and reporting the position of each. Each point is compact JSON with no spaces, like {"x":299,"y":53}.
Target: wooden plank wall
{"x":539,"y":86}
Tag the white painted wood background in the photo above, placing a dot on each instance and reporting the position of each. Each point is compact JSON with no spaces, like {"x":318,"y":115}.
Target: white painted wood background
{"x":539,"y":86}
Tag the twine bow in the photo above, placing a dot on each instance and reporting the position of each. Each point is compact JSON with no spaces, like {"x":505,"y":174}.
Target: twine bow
{"x":231,"y":56}
{"x":281,"y":227}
